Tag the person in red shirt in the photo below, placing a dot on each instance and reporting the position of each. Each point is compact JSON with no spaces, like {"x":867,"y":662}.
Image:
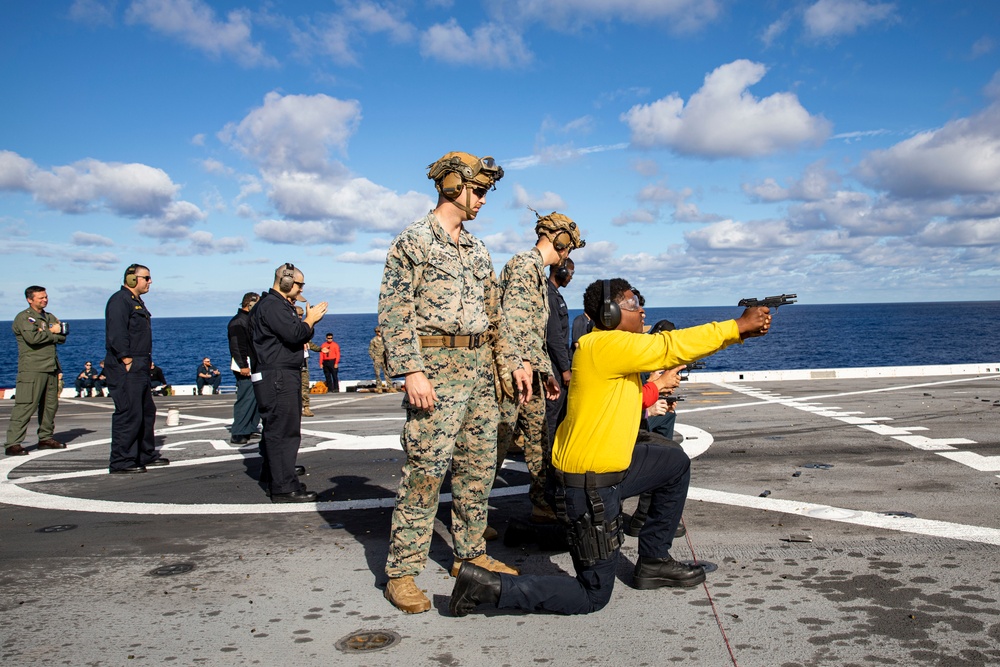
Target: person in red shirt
{"x":329,"y":359}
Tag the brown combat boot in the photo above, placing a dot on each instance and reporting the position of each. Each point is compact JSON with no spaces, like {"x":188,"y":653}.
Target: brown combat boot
{"x":404,"y":595}
{"x":306,"y":412}
{"x":487,"y":563}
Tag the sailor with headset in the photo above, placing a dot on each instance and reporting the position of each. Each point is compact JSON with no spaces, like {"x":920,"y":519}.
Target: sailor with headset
{"x":597,"y":462}
{"x":129,"y":343}
{"x":278,"y":336}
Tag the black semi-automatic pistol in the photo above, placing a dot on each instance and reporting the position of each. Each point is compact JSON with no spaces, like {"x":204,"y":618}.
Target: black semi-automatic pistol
{"x":769,"y":301}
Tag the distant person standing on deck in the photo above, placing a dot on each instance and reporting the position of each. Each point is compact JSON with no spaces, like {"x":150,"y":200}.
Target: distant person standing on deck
{"x":37,"y":386}
{"x":376,"y":350}
{"x":129,"y":342}
{"x":246,"y":416}
{"x":329,"y":361}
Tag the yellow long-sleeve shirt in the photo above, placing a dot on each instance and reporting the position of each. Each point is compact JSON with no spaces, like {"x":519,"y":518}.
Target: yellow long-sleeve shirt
{"x":603,"y":408}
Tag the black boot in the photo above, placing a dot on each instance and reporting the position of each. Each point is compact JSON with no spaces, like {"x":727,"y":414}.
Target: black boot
{"x":659,"y":572}
{"x":474,"y":585}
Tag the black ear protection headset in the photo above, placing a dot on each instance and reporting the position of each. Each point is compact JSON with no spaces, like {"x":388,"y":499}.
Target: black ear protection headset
{"x":611,"y":313}
{"x":131,"y":280}
{"x":287,"y":278}
{"x":562,"y":273}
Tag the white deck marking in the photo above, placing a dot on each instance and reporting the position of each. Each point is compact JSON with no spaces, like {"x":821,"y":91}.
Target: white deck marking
{"x":940,"y":446}
{"x":696,"y":442}
{"x":954,"y":531}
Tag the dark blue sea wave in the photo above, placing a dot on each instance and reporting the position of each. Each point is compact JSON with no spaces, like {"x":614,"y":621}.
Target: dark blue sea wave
{"x":802,"y":336}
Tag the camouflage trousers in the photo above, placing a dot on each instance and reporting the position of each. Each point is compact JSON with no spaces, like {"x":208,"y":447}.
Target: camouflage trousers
{"x":305,"y":388}
{"x":460,"y":434}
{"x":379,"y":368}
{"x":525,"y":425}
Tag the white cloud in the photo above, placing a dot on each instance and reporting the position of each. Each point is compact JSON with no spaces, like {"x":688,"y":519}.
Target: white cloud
{"x":15,"y":172}
{"x":776,"y":29}
{"x":657,"y":194}
{"x":509,"y":241}
{"x":334,"y":35}
{"x":739,"y":236}
{"x":961,"y":233}
{"x":961,"y":158}
{"x":302,"y":233}
{"x":815,"y":184}
{"x":88,"y":239}
{"x":174,"y":222}
{"x":983,"y":46}
{"x":347,"y":202}
{"x":640,"y":215}
{"x":543,"y":203}
{"x":294,"y":132}
{"x":204,"y":243}
{"x":833,"y":18}
{"x":93,"y":12}
{"x":376,"y":257}
{"x":681,"y":15}
{"x":193,"y":22}
{"x":128,"y":190}
{"x":290,"y":138}
{"x":213,"y":166}
{"x":553,"y":154}
{"x":374,"y":19}
{"x":489,"y":46}
{"x":723,"y":119}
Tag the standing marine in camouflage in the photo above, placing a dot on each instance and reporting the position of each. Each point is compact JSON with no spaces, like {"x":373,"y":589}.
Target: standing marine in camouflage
{"x":441,"y":323}
{"x":524,"y":296}
{"x":376,"y":350}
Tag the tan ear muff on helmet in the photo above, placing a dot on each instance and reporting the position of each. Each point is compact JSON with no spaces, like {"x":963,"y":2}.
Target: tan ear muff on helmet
{"x":450,"y":184}
{"x":131,"y":280}
{"x":287,"y":278}
{"x":562,"y":240}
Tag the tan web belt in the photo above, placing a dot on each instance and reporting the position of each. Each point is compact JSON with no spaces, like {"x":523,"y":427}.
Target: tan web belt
{"x":471,"y":342}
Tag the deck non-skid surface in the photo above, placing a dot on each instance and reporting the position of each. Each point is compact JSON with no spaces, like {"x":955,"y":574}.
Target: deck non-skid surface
{"x":851,"y":521}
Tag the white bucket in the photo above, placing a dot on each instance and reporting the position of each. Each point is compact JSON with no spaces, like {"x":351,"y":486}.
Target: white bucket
{"x":173,"y":417}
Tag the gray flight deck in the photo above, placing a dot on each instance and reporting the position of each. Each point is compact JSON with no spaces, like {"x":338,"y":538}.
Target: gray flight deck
{"x":852,"y":520}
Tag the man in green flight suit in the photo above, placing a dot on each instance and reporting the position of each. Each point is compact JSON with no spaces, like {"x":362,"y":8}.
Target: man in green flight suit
{"x":37,"y":333}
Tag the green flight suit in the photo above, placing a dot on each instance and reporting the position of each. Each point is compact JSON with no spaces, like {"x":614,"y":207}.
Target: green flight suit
{"x":38,"y":370}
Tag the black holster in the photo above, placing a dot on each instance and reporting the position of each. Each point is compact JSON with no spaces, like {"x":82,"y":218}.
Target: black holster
{"x":591,"y":536}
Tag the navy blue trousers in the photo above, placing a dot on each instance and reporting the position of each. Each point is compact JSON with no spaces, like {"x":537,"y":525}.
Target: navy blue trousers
{"x":663,"y":471}
{"x":279,"y":399}
{"x":132,"y":442}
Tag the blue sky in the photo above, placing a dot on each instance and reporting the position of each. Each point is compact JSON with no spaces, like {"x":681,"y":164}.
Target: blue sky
{"x":846,"y":150}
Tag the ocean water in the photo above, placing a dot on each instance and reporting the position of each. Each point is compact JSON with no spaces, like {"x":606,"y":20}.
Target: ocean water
{"x":802,"y":336}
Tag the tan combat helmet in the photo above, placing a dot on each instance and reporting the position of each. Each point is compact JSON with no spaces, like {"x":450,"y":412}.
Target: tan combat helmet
{"x":559,"y":229}
{"x":455,"y":169}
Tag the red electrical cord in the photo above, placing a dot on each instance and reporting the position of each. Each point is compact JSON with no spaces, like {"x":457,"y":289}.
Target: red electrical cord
{"x":718,"y":621}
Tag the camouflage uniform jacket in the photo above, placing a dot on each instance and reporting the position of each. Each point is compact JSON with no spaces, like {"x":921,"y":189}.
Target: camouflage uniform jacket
{"x":376,"y":350}
{"x":36,"y":344}
{"x":526,"y":306}
{"x":432,"y":286}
